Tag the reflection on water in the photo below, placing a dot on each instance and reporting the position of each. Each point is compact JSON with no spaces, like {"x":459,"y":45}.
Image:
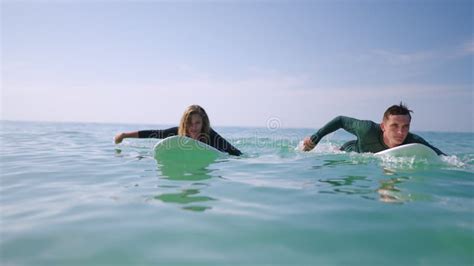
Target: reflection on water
{"x":358,"y":185}
{"x":345,"y":159}
{"x":350,"y":184}
{"x":372,"y":188}
{"x":196,"y":208}
{"x":347,"y":181}
{"x":187,"y":196}
{"x":333,"y":163}
{"x":185,"y":172}
{"x":390,"y":193}
{"x":388,"y":190}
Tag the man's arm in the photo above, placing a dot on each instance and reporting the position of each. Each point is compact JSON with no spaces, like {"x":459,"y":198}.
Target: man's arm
{"x":417,"y":139}
{"x":349,"y":124}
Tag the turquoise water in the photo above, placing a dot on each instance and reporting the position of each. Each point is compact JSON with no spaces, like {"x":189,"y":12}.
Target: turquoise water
{"x":69,"y":196}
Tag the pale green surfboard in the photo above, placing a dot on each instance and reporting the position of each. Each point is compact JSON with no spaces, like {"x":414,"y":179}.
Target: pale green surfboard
{"x":184,"y":150}
{"x":410,"y":150}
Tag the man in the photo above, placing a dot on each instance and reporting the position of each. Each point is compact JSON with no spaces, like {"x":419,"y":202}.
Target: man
{"x":373,"y":137}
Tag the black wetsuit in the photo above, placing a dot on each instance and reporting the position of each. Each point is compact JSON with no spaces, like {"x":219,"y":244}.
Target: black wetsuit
{"x":215,"y":140}
{"x":369,"y":135}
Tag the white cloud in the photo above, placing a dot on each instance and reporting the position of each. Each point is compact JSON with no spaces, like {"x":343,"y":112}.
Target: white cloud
{"x":468,"y":48}
{"x":297,"y":104}
{"x":394,"y":58}
{"x":295,"y":100}
{"x":403,"y":59}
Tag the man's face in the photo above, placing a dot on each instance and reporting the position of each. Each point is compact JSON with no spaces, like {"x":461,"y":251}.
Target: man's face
{"x":395,"y":129}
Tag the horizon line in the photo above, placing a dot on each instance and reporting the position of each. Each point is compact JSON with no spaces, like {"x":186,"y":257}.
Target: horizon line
{"x":169,"y":124}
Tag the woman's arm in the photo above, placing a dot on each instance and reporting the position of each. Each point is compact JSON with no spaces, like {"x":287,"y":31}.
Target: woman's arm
{"x":221,"y":144}
{"x":158,"y":134}
{"x":119,"y":137}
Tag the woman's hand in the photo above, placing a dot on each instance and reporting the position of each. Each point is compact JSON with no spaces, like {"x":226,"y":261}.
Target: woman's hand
{"x":119,"y":138}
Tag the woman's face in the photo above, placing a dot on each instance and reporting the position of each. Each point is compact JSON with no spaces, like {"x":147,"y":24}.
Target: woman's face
{"x":194,"y":126}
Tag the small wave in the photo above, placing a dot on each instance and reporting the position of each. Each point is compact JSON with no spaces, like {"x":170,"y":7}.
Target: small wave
{"x":405,"y":162}
{"x":328,"y":147}
{"x":415,"y":162}
{"x":453,"y":160}
{"x":135,"y":144}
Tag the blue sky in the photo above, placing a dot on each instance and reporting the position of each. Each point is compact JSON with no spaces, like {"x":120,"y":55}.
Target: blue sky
{"x":299,"y":63}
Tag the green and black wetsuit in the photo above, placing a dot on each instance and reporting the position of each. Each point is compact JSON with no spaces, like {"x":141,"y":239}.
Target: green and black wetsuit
{"x":369,"y":135}
{"x":215,"y":140}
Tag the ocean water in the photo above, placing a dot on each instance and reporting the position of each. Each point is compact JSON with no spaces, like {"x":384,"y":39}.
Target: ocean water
{"x":69,"y":196}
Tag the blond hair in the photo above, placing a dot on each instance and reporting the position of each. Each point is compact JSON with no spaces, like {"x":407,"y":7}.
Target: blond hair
{"x":186,"y":120}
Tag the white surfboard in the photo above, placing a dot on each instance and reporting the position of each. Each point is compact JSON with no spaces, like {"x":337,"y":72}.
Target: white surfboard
{"x":184,"y":150}
{"x":410,"y":150}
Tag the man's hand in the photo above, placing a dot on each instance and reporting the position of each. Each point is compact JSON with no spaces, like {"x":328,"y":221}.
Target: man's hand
{"x":308,"y":144}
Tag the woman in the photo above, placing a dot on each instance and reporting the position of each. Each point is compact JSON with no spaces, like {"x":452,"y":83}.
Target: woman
{"x":194,"y":124}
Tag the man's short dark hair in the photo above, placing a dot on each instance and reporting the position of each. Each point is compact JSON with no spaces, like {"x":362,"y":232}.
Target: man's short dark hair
{"x":400,"y":109}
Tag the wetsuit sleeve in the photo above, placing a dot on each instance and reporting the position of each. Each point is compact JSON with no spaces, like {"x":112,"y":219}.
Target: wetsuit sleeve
{"x":417,"y":139}
{"x":158,"y":134}
{"x":351,"y":125}
{"x":221,"y":144}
